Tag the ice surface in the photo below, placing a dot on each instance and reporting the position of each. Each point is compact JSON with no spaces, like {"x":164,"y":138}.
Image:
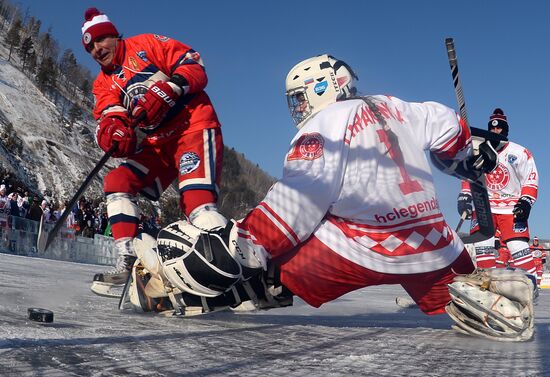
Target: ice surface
{"x":361,"y":334}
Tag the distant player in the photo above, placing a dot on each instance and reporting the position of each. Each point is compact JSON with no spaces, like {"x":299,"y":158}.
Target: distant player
{"x":513,"y":189}
{"x":539,"y":256}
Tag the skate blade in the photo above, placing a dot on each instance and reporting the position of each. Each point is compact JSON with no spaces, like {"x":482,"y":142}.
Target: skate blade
{"x":191,"y":311}
{"x":107,"y":290}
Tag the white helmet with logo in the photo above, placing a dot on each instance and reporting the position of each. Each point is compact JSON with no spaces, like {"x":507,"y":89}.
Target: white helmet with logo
{"x":315,"y":83}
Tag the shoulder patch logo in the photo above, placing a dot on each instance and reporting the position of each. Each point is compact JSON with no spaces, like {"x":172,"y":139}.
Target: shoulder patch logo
{"x":511,"y":158}
{"x":142,"y":55}
{"x":189,"y":162}
{"x":307,"y":147}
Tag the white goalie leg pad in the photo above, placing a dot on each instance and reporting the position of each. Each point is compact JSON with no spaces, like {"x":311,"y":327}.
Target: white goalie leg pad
{"x":493,"y":303}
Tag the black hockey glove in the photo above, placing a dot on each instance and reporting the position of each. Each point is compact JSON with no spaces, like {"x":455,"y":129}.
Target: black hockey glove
{"x":464,"y":204}
{"x":522,"y":209}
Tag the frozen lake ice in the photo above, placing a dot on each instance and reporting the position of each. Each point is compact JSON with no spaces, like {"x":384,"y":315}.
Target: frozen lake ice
{"x":361,"y":334}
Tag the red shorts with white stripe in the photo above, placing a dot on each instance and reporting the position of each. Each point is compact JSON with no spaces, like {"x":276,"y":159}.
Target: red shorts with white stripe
{"x":318,"y":275}
{"x":504,"y":223}
{"x":195,"y":159}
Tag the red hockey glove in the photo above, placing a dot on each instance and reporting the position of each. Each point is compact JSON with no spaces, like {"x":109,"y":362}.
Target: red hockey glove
{"x":111,"y":129}
{"x":155,"y":103}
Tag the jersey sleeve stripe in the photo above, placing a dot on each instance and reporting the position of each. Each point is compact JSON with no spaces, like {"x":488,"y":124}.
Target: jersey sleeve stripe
{"x":279,"y":223}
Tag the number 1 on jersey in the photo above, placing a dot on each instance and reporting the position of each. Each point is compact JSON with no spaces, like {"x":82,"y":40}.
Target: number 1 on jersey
{"x":409,"y":185}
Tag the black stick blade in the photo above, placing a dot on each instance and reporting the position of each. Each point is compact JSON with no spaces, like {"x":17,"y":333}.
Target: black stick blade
{"x":43,"y":238}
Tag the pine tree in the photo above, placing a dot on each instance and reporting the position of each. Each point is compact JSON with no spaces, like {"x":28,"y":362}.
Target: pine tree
{"x":46,"y":76}
{"x":13,"y":37}
{"x":26,"y":49}
{"x":75,"y":113}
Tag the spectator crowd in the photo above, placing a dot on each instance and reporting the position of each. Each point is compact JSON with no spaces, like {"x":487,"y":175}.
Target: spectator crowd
{"x":87,"y":218}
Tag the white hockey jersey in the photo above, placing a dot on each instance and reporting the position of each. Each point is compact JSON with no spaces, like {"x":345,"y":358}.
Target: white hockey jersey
{"x":516,"y":175}
{"x":365,"y":189}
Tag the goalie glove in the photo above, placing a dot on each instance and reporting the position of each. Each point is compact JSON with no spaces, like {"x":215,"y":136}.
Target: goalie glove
{"x":522,"y":209}
{"x":207,"y":263}
{"x":493,"y":303}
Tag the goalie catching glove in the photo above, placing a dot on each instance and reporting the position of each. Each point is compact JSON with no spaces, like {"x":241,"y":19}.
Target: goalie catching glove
{"x":493,"y":303}
{"x":205,"y":263}
{"x":149,"y":289}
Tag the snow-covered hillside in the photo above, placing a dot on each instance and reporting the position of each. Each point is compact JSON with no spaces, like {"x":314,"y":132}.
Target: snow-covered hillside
{"x":54,"y":156}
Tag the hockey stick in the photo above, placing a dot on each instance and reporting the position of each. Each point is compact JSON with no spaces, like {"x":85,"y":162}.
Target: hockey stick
{"x":45,"y":238}
{"x":461,"y":221}
{"x":478,"y":189}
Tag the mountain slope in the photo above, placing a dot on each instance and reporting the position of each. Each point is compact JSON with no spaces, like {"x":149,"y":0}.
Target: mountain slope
{"x":40,"y":151}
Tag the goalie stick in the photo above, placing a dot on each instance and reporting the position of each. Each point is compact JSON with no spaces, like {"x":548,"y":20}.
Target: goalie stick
{"x":478,"y":189}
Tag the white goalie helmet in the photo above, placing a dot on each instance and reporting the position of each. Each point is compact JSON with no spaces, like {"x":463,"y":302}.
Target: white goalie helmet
{"x":315,"y":83}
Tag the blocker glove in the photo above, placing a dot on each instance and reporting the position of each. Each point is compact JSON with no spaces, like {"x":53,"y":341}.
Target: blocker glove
{"x":114,"y":129}
{"x":155,"y":103}
{"x":522,"y":209}
{"x":464,"y":204}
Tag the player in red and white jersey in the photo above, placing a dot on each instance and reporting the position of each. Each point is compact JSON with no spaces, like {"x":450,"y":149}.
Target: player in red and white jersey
{"x":539,"y":256}
{"x":512,"y":189}
{"x":356,"y":205}
{"x":153,"y":86}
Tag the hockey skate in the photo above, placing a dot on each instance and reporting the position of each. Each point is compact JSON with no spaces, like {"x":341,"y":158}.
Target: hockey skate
{"x":111,"y":282}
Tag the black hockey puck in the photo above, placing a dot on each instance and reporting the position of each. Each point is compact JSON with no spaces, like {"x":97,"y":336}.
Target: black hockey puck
{"x":40,"y":315}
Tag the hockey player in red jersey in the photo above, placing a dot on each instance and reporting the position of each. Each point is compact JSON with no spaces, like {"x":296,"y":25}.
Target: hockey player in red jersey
{"x":356,"y":207}
{"x":153,"y":86}
{"x":539,"y":257}
{"x":512,"y":188}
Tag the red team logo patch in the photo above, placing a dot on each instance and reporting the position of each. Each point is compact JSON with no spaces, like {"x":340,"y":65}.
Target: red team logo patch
{"x":307,"y":147}
{"x":498,"y":178}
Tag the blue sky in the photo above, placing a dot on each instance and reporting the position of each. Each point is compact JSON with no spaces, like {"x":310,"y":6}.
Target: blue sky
{"x":396,"y":47}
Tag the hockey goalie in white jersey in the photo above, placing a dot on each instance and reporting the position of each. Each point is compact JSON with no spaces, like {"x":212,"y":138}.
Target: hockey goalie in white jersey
{"x":356,"y":207}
